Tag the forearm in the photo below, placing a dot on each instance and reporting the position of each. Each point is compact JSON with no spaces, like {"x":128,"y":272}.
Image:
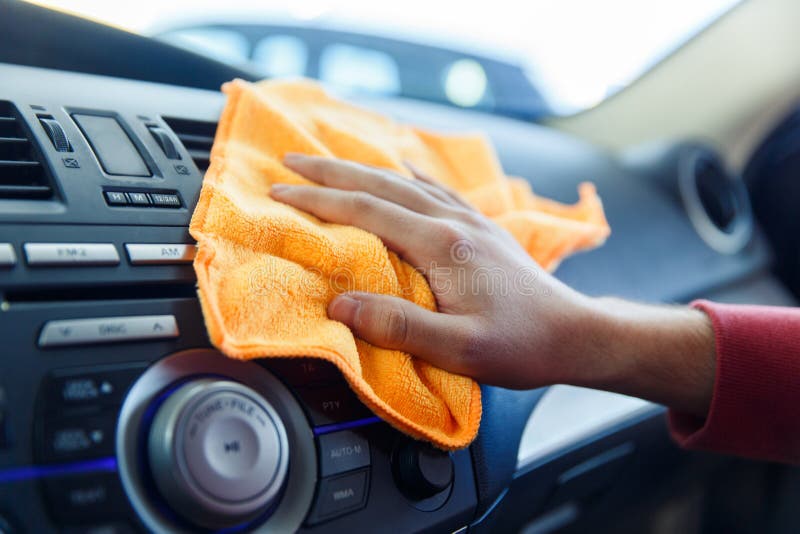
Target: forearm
{"x":665,"y":354}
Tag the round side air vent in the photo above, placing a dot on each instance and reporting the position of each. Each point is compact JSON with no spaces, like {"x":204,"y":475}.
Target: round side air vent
{"x":715,"y":200}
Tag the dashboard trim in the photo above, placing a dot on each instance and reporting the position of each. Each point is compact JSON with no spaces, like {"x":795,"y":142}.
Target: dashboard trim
{"x":589,"y":413}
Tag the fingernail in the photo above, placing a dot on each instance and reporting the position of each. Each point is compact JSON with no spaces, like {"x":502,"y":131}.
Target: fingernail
{"x":344,"y":309}
{"x":292,"y":157}
{"x":277,"y":189}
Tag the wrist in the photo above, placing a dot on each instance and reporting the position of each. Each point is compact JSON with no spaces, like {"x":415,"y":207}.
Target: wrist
{"x":604,"y":344}
{"x":661,"y":353}
{"x":585,"y":349}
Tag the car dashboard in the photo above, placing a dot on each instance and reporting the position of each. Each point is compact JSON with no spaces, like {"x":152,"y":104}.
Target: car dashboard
{"x":105,"y":361}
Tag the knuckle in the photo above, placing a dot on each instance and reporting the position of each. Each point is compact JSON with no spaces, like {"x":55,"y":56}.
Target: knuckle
{"x":466,"y":216}
{"x":450,"y":233}
{"x":472,"y":346}
{"x":475,"y":219}
{"x":433,"y":193}
{"x":327,"y":173}
{"x":362,"y":202}
{"x":365,"y":173}
{"x":395,"y":325}
{"x":380,"y":174}
{"x":387,"y":179}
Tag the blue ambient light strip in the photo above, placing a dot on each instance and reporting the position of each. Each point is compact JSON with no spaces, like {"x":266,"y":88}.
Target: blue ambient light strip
{"x":17,"y":474}
{"x":335,"y":427}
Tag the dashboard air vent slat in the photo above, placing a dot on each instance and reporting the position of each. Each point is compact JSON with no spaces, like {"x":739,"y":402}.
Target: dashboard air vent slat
{"x":22,"y":174}
{"x":197,"y":138}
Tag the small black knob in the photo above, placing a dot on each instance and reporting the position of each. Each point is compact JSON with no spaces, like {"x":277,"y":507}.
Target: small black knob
{"x":56,"y":134}
{"x":164,"y":141}
{"x":421,"y":470}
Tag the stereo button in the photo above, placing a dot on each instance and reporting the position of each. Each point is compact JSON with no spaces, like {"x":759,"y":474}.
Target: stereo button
{"x":96,"y":386}
{"x":332,"y":405}
{"x":116,"y":198}
{"x":159,"y":253}
{"x":342,"y":451}
{"x":140,"y":199}
{"x":79,"y":438}
{"x":164,"y":200}
{"x":7,"y":256}
{"x":218,"y":452}
{"x":80,"y":254}
{"x":107,"y":330}
{"x":340,"y":495}
{"x":305,"y":371}
{"x":78,"y":499}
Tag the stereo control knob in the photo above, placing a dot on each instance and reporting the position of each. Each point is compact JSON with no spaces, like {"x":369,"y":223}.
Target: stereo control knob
{"x":219,"y":453}
{"x":421,"y":470}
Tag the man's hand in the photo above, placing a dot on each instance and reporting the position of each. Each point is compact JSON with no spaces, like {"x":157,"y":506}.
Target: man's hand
{"x":501,"y":319}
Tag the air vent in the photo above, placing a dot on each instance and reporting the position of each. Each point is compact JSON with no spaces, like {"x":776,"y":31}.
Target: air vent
{"x":22,"y":172}
{"x":197,"y":137}
{"x":716,"y":201}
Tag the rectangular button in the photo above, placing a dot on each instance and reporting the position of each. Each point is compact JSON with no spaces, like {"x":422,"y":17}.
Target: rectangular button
{"x":332,"y":405}
{"x":159,"y":253}
{"x":116,"y":198}
{"x":304,"y":371}
{"x":107,"y":330}
{"x":104,"y":386}
{"x":44,"y":254}
{"x":340,"y":495}
{"x":112,"y":146}
{"x":8,"y":258}
{"x":165,"y":200}
{"x":78,"y":438}
{"x":140,"y":199}
{"x":342,"y":451}
{"x":84,"y":498}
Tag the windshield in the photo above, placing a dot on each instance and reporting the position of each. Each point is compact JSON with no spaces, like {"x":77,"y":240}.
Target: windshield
{"x":524,"y":59}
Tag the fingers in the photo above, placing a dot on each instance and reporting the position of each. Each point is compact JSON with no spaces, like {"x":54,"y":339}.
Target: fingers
{"x":402,"y":230}
{"x":351,"y":176}
{"x":437,"y":189}
{"x":396,"y":323}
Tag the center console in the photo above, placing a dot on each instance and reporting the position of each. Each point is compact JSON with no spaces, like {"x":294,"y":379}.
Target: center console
{"x":116,"y":415}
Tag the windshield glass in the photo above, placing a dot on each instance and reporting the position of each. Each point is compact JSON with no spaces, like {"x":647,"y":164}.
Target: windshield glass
{"x":524,"y":59}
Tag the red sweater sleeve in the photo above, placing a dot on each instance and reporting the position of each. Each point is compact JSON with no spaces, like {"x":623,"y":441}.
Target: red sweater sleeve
{"x":755,"y":408}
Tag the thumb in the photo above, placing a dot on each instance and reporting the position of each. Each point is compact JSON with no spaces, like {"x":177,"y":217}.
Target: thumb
{"x":396,"y":323}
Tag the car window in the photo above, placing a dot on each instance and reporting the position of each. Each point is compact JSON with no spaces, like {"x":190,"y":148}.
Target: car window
{"x":358,"y":69}
{"x":223,"y":45}
{"x":281,"y":55}
{"x":539,"y":57}
{"x":466,"y":84}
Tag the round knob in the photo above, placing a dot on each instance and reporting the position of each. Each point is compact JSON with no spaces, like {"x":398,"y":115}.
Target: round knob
{"x":420,"y":470}
{"x":218,"y":453}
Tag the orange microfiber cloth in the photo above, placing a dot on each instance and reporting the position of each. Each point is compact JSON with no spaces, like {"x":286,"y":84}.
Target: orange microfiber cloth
{"x":266,"y":271}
